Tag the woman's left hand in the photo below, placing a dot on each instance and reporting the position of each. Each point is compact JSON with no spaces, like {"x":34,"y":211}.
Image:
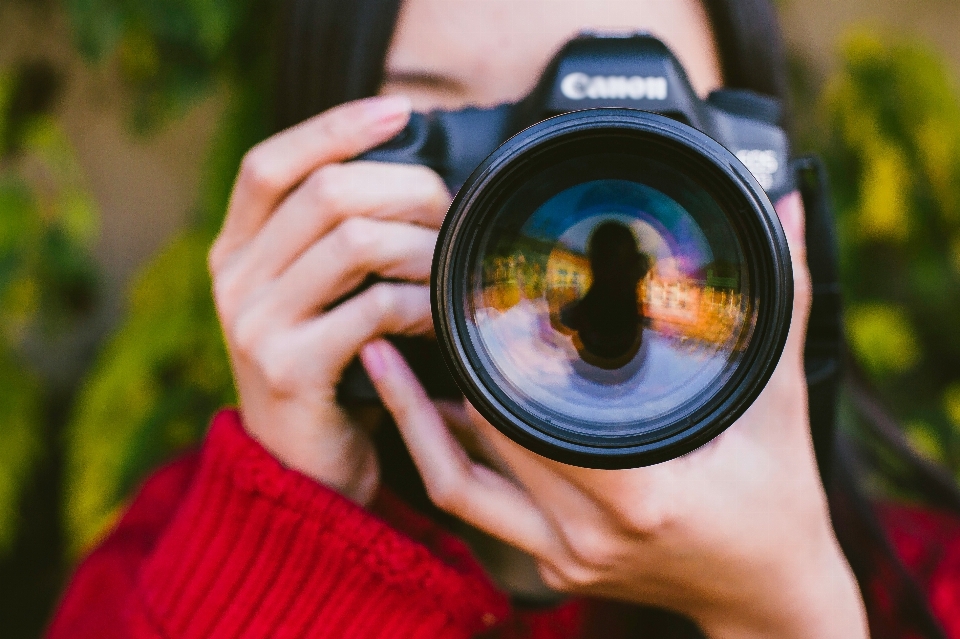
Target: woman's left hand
{"x":736,"y":535}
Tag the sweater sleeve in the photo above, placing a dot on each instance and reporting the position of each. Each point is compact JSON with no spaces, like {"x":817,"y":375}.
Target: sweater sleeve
{"x":928,"y":543}
{"x":231,"y":545}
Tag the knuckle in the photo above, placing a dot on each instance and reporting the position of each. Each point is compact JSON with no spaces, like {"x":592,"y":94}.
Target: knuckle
{"x":569,"y":576}
{"x":331,"y":123}
{"x":645,"y":518}
{"x":383,"y":300}
{"x":590,"y":547}
{"x":221,"y":290}
{"x":257,"y":172}
{"x":327,"y":186}
{"x":552,"y":577}
{"x":434,"y":188}
{"x":225,"y":294}
{"x":444,"y":491}
{"x":432,"y":196}
{"x":275,"y":365}
{"x":356,"y":237}
{"x":246,"y":336}
{"x":216,"y":256}
{"x":279,"y":370}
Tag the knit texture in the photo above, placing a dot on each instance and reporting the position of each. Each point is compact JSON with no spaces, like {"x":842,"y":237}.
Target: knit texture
{"x":228,"y":544}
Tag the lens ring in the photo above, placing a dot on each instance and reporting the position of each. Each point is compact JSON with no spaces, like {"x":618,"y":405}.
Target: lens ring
{"x":685,"y":151}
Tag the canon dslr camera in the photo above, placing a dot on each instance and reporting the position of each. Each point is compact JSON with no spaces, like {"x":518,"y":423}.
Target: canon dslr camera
{"x":611,"y":286}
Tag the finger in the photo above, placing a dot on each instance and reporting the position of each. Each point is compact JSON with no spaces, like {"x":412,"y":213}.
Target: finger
{"x":791,"y":213}
{"x":343,"y":259}
{"x":573,"y":498}
{"x":556,"y":485}
{"x":334,"y":193}
{"x":273,"y":167}
{"x":383,"y":309}
{"x":470,"y":491}
{"x":783,"y":402}
{"x":461,"y":426}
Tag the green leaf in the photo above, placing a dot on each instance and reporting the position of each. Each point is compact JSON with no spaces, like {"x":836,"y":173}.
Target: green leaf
{"x":169,"y":346}
{"x":883,"y":337}
{"x":47,"y":225}
{"x":165,"y":371}
{"x":889,"y":130}
{"x":170,"y":53}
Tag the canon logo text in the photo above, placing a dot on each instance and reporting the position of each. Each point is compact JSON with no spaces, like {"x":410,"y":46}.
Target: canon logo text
{"x":580,"y":86}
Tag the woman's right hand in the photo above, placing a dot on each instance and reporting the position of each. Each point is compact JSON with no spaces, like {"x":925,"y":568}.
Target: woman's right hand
{"x":303,"y":229}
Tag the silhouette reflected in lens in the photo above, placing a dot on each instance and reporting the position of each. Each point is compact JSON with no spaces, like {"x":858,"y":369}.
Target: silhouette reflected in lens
{"x":607,"y":321}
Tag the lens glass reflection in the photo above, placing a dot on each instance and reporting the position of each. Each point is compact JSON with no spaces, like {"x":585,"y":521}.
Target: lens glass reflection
{"x":611,"y":305}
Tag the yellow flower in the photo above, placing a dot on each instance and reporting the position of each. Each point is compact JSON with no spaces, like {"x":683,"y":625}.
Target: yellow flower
{"x":882,"y":338}
{"x":938,"y":151}
{"x":883,"y":211}
{"x":924,"y":442}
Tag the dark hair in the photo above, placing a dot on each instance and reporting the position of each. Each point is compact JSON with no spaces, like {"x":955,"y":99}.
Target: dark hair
{"x":333,"y":51}
{"x":750,"y":43}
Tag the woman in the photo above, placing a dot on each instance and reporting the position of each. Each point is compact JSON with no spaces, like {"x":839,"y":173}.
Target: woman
{"x":288,"y":523}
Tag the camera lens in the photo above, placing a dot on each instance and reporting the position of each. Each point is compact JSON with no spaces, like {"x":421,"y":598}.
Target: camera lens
{"x":612,"y":288}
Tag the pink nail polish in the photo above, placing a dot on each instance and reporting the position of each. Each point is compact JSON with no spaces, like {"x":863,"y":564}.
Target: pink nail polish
{"x":373,"y":361}
{"x":388,"y":111}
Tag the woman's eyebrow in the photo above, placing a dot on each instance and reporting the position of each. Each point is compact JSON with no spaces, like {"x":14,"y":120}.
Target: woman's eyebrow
{"x":426,"y":79}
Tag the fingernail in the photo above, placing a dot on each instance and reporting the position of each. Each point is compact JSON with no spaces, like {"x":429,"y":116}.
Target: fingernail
{"x":388,"y":111}
{"x":374,"y":361}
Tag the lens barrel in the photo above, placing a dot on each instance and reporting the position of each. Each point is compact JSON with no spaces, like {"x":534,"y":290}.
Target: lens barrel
{"x":611,"y":288}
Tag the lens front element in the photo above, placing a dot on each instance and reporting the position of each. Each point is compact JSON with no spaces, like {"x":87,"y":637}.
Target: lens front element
{"x":611,"y":296}
{"x":609,"y":308}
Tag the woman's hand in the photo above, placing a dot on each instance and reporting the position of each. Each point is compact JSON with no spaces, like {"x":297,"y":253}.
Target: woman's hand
{"x":736,"y":535}
{"x":303,"y":230}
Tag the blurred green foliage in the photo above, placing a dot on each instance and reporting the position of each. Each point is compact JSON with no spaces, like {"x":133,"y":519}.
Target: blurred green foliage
{"x":47,"y":278}
{"x":171,"y":52}
{"x":888,"y":125}
{"x":164,"y":372}
{"x":892,"y":120}
{"x":892,"y":124}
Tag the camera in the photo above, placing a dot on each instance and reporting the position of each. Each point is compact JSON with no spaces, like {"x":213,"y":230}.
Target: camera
{"x":611,"y":287}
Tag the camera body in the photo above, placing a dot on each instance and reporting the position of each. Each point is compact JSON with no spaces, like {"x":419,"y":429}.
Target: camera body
{"x":592,"y":71}
{"x":596,"y":71}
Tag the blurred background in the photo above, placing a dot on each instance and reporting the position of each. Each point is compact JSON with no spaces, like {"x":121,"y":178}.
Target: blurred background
{"x":121,"y":126}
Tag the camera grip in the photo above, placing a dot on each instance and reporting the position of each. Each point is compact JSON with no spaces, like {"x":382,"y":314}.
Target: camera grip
{"x":423,"y":356}
{"x":410,"y":146}
{"x":451,"y":143}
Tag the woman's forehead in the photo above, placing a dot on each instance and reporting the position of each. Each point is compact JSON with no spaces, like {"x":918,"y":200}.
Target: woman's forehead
{"x":448,"y":53}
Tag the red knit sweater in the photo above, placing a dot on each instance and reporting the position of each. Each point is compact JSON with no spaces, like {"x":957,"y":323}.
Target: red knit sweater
{"x":228,"y":544}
